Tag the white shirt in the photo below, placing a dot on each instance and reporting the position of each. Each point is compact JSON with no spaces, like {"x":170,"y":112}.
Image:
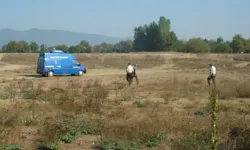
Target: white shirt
{"x":212,"y":70}
{"x":130,"y":69}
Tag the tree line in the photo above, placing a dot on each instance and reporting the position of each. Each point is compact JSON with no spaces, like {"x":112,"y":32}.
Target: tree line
{"x":82,"y":47}
{"x":152,"y":37}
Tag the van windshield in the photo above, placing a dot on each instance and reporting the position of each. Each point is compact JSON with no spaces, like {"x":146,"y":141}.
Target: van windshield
{"x":75,"y":62}
{"x":40,"y":62}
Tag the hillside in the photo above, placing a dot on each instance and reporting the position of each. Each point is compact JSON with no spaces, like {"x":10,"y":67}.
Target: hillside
{"x":54,"y":37}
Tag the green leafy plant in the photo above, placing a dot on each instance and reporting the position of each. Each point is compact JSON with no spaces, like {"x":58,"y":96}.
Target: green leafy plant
{"x":155,"y":140}
{"x":150,"y":142}
{"x":71,"y":136}
{"x":139,"y":104}
{"x":4,"y":146}
{"x":119,"y":145}
{"x":49,"y":145}
{"x":200,"y":112}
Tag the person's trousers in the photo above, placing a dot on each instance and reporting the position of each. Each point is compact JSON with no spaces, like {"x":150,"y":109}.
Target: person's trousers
{"x":129,"y":76}
{"x":211,"y":77}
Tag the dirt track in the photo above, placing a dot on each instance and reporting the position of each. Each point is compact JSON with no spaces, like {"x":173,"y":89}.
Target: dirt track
{"x":8,"y":70}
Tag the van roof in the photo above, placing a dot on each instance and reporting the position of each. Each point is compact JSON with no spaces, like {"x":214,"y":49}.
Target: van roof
{"x":56,"y":53}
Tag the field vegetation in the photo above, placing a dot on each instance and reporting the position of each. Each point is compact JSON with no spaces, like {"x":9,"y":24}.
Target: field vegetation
{"x":169,"y":109}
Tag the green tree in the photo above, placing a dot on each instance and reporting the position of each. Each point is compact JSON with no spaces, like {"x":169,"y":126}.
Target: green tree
{"x":140,"y":37}
{"x":173,"y":41}
{"x":219,"y":40}
{"x":62,"y":47}
{"x":153,"y":38}
{"x":11,"y":47}
{"x":84,"y":47}
{"x":179,"y":46}
{"x":124,"y":46}
{"x":72,"y":49}
{"x":23,"y":47}
{"x":212,"y":43}
{"x":34,"y":47}
{"x":102,"y":48}
{"x":164,"y":34}
{"x":237,"y":43}
{"x":222,"y":48}
{"x":196,"y":45}
{"x":247,"y":46}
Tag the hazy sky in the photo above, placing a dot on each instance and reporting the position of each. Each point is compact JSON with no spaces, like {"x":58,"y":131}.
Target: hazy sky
{"x":189,"y":18}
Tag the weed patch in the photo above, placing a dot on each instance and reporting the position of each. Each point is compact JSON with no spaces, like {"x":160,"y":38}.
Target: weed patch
{"x":147,"y":130}
{"x":149,"y":142}
{"x":139,"y":104}
{"x":4,"y":146}
{"x":67,"y":129}
{"x":200,"y":140}
{"x":200,"y":112}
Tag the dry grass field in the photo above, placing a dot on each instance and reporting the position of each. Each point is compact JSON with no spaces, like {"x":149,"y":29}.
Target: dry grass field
{"x":168,"y":110}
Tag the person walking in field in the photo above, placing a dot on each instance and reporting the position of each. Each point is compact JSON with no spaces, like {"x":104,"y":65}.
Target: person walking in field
{"x":212,"y":74}
{"x":129,"y":71}
{"x":135,"y":75}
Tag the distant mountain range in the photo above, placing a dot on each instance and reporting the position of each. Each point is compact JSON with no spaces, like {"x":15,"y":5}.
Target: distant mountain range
{"x":55,"y":37}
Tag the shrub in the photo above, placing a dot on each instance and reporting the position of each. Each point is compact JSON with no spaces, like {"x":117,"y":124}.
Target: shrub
{"x":93,"y":96}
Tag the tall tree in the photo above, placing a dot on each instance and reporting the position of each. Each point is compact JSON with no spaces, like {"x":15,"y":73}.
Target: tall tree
{"x":72,"y":49}
{"x":84,"y":47}
{"x":164,"y":34}
{"x":11,"y":47}
{"x":172,"y":41}
{"x":140,"y":36}
{"x":219,"y":40}
{"x":196,"y":45}
{"x":34,"y":47}
{"x":152,"y":38}
{"x":237,"y":43}
{"x":23,"y":47}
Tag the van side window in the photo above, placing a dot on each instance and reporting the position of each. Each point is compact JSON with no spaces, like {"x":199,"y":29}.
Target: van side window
{"x":74,"y":62}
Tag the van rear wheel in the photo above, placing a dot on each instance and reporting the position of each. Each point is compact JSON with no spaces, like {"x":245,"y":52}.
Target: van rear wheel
{"x":80,"y":73}
{"x":50,"y":74}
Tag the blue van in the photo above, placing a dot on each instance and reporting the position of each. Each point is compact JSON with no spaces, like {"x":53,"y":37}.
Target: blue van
{"x":57,"y":62}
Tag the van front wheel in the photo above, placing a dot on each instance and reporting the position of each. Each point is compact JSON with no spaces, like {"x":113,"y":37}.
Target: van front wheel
{"x":80,"y":73}
{"x":50,"y":74}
